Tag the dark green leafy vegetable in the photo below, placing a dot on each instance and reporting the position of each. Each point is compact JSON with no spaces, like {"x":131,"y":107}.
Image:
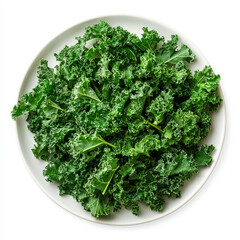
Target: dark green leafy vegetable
{"x":120,"y":122}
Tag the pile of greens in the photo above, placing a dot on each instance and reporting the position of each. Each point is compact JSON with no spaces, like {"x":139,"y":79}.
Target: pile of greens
{"x":120,"y":122}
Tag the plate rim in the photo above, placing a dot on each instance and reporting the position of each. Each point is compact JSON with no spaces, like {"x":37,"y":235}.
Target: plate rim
{"x":223,"y":106}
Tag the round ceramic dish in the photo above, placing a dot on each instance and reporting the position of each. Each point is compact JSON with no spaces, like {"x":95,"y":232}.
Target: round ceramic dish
{"x":26,"y":141}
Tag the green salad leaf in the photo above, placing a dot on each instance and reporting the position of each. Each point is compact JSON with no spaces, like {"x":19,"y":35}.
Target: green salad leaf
{"x":120,"y":119}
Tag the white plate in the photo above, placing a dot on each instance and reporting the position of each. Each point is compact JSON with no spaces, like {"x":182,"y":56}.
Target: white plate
{"x":123,"y":217}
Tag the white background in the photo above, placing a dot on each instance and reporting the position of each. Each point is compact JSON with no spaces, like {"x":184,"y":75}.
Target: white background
{"x":26,"y":27}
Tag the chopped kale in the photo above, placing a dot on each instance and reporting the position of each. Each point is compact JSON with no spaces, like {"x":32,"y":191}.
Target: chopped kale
{"x":120,"y":122}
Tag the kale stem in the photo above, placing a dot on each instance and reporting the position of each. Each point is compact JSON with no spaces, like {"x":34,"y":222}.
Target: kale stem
{"x":153,"y":125}
{"x":102,"y":140}
{"x":97,"y":90}
{"x":104,"y":191}
{"x":85,"y":95}
{"x":57,"y":108}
